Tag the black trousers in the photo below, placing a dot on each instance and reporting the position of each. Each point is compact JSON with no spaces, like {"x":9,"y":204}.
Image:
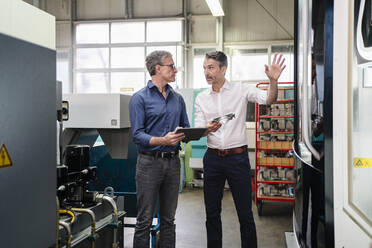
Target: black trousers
{"x":156,"y":177}
{"x":236,"y":170}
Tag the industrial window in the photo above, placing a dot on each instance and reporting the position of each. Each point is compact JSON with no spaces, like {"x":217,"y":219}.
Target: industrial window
{"x":248,"y":64}
{"x":110,"y":57}
{"x":287,"y":51}
{"x":93,"y":33}
{"x":63,"y":70}
{"x":129,"y":32}
{"x":164,"y":31}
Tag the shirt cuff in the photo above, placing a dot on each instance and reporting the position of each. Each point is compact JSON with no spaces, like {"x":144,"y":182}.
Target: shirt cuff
{"x":144,"y":139}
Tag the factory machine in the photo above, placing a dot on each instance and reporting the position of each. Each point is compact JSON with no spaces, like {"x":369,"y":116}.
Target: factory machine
{"x":44,"y":190}
{"x":101,"y":122}
{"x":27,"y":126}
{"x":90,"y":215}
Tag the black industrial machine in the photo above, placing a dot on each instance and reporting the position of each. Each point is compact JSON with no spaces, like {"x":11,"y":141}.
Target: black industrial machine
{"x":86,"y":218}
{"x":313,"y":219}
{"x":73,"y":178}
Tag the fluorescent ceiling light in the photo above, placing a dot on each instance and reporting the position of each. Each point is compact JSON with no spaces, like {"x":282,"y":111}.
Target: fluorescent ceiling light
{"x":215,"y":7}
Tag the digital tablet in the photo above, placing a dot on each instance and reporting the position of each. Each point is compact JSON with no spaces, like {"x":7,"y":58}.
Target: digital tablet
{"x":192,"y":133}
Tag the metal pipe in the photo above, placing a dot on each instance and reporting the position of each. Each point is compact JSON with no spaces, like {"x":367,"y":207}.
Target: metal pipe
{"x":111,"y":201}
{"x":92,"y":215}
{"x":65,"y":211}
{"x":129,"y":6}
{"x":68,"y":230}
{"x":108,"y":197}
{"x":305,"y":83}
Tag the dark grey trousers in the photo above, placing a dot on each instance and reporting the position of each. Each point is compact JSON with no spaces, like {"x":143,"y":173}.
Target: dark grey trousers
{"x":156,"y":177}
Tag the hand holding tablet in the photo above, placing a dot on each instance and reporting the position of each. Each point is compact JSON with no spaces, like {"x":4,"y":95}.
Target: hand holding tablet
{"x":191,"y":133}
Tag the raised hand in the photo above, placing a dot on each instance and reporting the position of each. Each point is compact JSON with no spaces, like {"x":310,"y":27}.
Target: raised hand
{"x":274,"y":71}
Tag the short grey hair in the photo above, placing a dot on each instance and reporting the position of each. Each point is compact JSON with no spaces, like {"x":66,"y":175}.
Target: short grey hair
{"x":219,"y":56}
{"x":156,"y":58}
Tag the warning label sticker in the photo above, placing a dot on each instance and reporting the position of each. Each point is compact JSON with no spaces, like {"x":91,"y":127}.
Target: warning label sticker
{"x":363,"y":162}
{"x":5,"y":160}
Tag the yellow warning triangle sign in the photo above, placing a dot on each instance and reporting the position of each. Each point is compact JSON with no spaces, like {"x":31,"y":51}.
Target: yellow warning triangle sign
{"x":5,"y":160}
{"x":359,"y":163}
{"x":362,"y":162}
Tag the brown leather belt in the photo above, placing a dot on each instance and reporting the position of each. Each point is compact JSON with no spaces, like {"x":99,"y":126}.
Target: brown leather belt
{"x":228,"y":152}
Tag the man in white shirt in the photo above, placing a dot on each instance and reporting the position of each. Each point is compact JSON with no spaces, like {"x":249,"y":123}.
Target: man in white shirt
{"x":227,"y":157}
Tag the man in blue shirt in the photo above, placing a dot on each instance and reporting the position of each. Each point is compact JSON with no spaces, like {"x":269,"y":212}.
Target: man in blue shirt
{"x":155,"y":113}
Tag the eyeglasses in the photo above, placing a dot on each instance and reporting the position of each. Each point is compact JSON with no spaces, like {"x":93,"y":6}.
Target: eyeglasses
{"x":172,"y":66}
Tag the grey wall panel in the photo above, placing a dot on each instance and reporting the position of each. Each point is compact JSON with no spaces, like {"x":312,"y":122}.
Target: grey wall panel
{"x":199,"y":7}
{"x":61,"y":9}
{"x":28,"y":1}
{"x":28,"y":128}
{"x":203,"y":29}
{"x":246,"y":20}
{"x":156,"y":8}
{"x":99,"y":9}
{"x":286,"y":15}
{"x":63,"y":35}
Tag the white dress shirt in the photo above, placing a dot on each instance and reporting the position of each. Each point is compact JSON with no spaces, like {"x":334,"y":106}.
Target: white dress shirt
{"x":232,"y":98}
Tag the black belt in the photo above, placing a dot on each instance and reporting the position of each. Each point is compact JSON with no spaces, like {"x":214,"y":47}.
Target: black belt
{"x":158,"y":154}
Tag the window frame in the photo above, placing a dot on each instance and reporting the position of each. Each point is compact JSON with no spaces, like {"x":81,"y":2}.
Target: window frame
{"x":230,"y":47}
{"x":68,"y":51}
{"x":257,"y":45}
{"x":109,"y":45}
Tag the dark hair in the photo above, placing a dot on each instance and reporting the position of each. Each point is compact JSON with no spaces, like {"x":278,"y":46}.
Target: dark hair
{"x":219,"y":56}
{"x":155,"y":58}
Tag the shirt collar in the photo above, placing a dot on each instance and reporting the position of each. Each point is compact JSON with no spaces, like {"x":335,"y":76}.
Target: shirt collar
{"x":151,"y":85}
{"x":226,"y":85}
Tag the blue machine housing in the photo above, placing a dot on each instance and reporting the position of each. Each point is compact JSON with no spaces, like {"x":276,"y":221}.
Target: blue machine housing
{"x":117,"y":173}
{"x":121,"y":175}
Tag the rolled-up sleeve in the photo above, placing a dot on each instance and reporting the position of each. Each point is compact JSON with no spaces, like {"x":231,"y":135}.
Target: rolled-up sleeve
{"x":137,"y":121}
{"x":200,"y":120}
{"x":254,"y":94}
{"x":184,"y":121}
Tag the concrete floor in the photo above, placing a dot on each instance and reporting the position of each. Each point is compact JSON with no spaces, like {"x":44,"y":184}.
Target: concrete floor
{"x":190,"y":219}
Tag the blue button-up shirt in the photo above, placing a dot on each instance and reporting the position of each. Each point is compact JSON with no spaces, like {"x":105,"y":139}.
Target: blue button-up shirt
{"x":153,"y":115}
